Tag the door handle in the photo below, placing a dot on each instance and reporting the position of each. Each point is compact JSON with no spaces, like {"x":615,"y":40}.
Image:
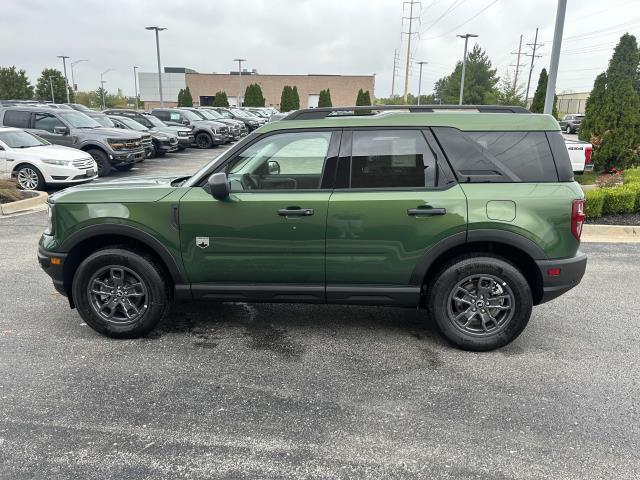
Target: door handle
{"x":302,"y":212}
{"x":426,"y":211}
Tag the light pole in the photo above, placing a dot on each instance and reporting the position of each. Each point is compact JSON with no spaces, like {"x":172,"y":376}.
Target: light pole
{"x":73,"y":78}
{"x":66,"y":80}
{"x":102,"y":82}
{"x":53,"y":98}
{"x":239,"y":60}
{"x":420,"y":80}
{"x":135,"y":84}
{"x":158,"y":29}
{"x":555,"y":57}
{"x":466,"y":37}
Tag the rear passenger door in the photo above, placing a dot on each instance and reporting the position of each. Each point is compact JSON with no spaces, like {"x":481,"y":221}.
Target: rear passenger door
{"x":394,"y":199}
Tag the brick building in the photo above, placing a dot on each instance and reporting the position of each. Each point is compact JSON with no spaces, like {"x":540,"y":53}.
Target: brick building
{"x":203,"y":87}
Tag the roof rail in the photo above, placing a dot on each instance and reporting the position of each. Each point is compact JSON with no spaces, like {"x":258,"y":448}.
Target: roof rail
{"x":323,"y":112}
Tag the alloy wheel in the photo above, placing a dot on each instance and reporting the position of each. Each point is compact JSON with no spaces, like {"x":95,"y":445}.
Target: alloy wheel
{"x":28,"y":178}
{"x":118,"y":295}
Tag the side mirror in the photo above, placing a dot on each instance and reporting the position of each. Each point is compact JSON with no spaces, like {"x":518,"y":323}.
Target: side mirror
{"x":273,"y":167}
{"x":185,"y":122}
{"x":61,"y":130}
{"x":219,"y":185}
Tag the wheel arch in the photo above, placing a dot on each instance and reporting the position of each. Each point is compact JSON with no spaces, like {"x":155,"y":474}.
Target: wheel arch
{"x":94,"y":146}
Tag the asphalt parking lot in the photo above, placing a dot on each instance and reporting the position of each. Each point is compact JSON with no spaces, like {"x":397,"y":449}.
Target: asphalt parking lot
{"x":234,"y":390}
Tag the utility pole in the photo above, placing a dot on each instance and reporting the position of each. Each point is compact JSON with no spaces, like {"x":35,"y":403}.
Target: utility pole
{"x":395,"y":68}
{"x":158,"y":29}
{"x":533,"y":56}
{"x":517,"y":65}
{"x":135,"y":84}
{"x":66,"y":80}
{"x":420,"y":80}
{"x":411,"y":18}
{"x":53,"y":99}
{"x":239,"y":60}
{"x":466,"y":37}
{"x":73,"y":79}
{"x":555,"y":57}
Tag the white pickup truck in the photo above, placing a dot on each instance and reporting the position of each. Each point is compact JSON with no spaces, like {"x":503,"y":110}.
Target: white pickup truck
{"x":580,"y":155}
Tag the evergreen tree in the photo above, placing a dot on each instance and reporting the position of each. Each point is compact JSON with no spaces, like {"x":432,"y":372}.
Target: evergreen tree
{"x":43,"y":86}
{"x":360,"y":98}
{"x":220,"y":100}
{"x":14,"y":84}
{"x":181,"y":97}
{"x":508,"y":93}
{"x":253,"y":96}
{"x":620,"y":114}
{"x":591,"y":125}
{"x":295,"y":99}
{"x":286,"y":99}
{"x":366,"y":98}
{"x":187,"y":99}
{"x":537,"y":104}
{"x":325,"y":98}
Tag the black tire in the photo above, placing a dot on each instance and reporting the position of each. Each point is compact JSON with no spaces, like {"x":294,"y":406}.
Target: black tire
{"x":125,"y":168}
{"x":133,"y":266}
{"x":29,"y":178}
{"x":568,"y":129}
{"x":446,"y":303}
{"x":203,"y":140}
{"x":102,"y":160}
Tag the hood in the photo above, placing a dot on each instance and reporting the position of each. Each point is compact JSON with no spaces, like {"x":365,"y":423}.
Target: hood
{"x":118,"y":133}
{"x":171,"y":130}
{"x":124,"y":190}
{"x":210,"y":123}
{"x":55,"y":152}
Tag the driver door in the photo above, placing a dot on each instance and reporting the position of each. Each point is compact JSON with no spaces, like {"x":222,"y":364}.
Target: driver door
{"x":45,"y":125}
{"x":266,"y":240}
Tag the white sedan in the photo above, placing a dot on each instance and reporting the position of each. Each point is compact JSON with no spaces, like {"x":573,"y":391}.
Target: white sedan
{"x":36,"y":163}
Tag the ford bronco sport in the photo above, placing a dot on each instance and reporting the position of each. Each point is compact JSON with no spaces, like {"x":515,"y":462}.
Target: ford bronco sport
{"x":473,"y":215}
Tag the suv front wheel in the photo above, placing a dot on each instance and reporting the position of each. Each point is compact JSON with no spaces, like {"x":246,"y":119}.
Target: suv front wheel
{"x":120,"y":293}
{"x":480,"y":302}
{"x":102,"y":160}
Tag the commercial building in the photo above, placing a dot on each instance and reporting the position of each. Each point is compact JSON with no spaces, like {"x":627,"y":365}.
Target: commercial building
{"x":203,"y":86}
{"x":572,"y":102}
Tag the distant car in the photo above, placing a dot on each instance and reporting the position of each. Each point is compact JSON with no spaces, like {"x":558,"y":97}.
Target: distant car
{"x":571,"y":123}
{"x":154,"y":124}
{"x":206,"y":133}
{"x":36,"y":163}
{"x":277,"y":116}
{"x":79,"y":107}
{"x":161,"y":142}
{"x":211,"y":111}
{"x":233,"y":125}
{"x":580,"y":156}
{"x":260,"y":112}
{"x":250,"y":120}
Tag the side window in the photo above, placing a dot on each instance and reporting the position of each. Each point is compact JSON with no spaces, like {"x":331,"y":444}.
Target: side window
{"x":391,"y":159}
{"x":15,"y":118}
{"x":161,"y":115}
{"x":175,"y":117}
{"x":284,"y":161}
{"x":47,"y":122}
{"x":498,"y":156}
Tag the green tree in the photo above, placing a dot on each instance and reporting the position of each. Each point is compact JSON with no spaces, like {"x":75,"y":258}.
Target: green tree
{"x":181,"y":97}
{"x":591,"y":125}
{"x":187,"y":99}
{"x":619,"y":143}
{"x":220,"y":100}
{"x":43,"y":86}
{"x":360,"y":98}
{"x":479,"y":83}
{"x":14,"y":84}
{"x":537,"y":104}
{"x":325,"y":98}
{"x":508,"y":93}
{"x":286,"y":100}
{"x":253,"y":96}
{"x":295,"y":99}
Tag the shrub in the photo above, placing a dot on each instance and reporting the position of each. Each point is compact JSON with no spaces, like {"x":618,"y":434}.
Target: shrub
{"x":631,"y":175}
{"x":594,"y":202}
{"x":619,"y":200}
{"x":635,"y":188}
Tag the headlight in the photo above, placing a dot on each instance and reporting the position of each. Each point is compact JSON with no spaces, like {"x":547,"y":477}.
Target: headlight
{"x":162,"y":137}
{"x":53,"y":161}
{"x":50,"y":219}
{"x":183,"y":134}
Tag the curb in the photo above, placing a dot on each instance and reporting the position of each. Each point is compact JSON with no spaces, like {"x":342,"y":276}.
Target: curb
{"x":610,"y":233}
{"x":24,"y":205}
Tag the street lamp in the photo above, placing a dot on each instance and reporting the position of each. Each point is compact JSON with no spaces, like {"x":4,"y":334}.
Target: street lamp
{"x":158,"y":29}
{"x":102,"y":82}
{"x":239,"y":60}
{"x":466,"y":37}
{"x":66,"y":80}
{"x":53,"y":98}
{"x":135,"y":84}
{"x":73,"y":78}
{"x":420,"y":80}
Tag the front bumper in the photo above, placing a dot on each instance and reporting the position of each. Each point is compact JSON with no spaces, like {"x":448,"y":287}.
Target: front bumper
{"x":571,"y":272}
{"x":53,"y":268}
{"x":128,"y":156}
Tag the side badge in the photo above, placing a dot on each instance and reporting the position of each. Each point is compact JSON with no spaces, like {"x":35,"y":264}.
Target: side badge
{"x":202,"y":242}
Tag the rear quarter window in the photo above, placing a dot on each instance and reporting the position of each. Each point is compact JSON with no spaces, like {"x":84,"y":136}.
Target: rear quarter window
{"x":498,"y":156}
{"x":16,"y":118}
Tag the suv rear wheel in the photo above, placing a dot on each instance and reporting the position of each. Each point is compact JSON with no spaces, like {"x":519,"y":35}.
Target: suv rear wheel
{"x":102,"y":160}
{"x":204,"y":140}
{"x":480,"y":303}
{"x":120,"y":293}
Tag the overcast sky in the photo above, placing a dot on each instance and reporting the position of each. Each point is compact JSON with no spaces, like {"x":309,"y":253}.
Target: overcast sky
{"x":305,"y":36}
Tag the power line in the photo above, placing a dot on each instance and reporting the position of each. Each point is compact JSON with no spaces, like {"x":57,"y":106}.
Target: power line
{"x":409,"y":34}
{"x":454,"y":5}
{"x":533,"y":56}
{"x":463,"y":23}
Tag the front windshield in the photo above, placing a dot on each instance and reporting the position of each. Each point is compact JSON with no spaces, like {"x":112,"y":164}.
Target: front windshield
{"x":104,"y":121}
{"x":206,"y":114}
{"x":80,"y":107}
{"x":132,"y":124}
{"x":243,"y":113}
{"x":78,"y":119}
{"x":21,"y":139}
{"x":213,"y":114}
{"x":225,"y":114}
{"x":188,"y":114}
{"x":155,"y":121}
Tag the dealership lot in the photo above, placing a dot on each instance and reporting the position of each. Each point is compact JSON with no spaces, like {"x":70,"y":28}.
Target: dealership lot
{"x":296,"y":391}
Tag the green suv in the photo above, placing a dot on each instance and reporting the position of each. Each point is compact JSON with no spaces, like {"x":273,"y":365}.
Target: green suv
{"x":469,"y":212}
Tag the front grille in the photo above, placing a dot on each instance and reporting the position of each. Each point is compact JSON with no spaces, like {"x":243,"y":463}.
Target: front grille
{"x":223,"y":130}
{"x":146,"y":140}
{"x":83,"y":163}
{"x":129,"y":144}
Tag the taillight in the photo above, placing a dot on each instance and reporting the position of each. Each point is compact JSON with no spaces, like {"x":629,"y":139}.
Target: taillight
{"x":577,"y":218}
{"x":587,"y":155}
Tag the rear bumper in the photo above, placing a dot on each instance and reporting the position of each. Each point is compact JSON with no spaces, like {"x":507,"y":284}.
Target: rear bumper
{"x":571,"y":272}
